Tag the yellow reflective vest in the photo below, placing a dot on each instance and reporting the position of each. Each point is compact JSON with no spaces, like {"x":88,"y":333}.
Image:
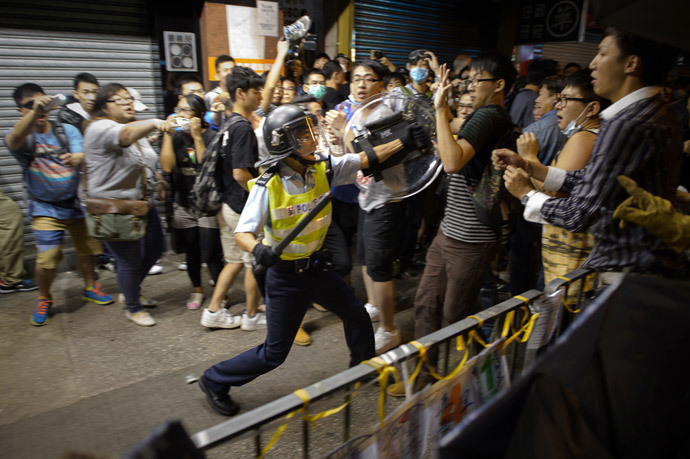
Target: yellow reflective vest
{"x":286,"y":210}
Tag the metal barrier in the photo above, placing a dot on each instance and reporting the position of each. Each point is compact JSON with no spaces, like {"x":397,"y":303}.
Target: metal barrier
{"x":251,"y":422}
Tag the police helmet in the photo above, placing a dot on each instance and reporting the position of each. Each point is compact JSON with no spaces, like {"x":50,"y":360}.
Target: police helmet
{"x":280,"y":130}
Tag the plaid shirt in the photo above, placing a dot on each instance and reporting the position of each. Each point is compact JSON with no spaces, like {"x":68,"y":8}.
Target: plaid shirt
{"x":640,"y":138}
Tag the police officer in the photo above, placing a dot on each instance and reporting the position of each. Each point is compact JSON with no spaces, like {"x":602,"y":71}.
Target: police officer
{"x":295,"y":179}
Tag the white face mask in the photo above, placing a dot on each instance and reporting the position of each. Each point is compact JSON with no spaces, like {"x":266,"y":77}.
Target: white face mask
{"x":573,"y":127}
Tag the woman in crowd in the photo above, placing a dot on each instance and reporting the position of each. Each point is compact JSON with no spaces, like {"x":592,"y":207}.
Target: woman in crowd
{"x":117,"y":154}
{"x":181,"y":155}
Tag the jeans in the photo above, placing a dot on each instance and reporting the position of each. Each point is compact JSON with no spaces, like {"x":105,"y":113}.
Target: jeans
{"x":135,"y":258}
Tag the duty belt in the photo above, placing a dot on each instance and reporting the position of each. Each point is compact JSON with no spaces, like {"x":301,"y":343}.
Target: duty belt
{"x":316,"y":261}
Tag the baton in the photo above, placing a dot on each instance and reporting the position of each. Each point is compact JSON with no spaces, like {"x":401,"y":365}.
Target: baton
{"x":260,"y":270}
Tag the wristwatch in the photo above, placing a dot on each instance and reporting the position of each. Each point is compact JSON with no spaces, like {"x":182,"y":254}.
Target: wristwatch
{"x":526,"y":197}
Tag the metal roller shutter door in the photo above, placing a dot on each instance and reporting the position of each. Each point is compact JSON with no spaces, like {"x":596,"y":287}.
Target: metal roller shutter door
{"x":398,"y":27}
{"x":564,"y":53}
{"x":51,"y":58}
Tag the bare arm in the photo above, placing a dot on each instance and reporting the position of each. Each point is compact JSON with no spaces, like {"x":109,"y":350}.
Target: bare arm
{"x":25,"y":125}
{"x":168,"y":161}
{"x":137,"y":129}
{"x":245,"y":241}
{"x":274,"y":75}
{"x":242,"y":176}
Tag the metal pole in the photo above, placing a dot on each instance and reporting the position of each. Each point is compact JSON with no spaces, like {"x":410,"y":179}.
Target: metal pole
{"x":305,"y":438}
{"x":257,"y":442}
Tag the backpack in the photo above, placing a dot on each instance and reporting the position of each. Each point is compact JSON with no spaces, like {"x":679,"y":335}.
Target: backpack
{"x":206,"y":196}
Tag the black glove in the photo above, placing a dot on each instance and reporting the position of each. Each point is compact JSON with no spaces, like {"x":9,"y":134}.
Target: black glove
{"x":415,"y":137}
{"x":264,"y":255}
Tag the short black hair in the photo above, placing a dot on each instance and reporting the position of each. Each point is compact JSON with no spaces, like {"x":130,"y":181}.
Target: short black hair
{"x":498,"y":66}
{"x":187,"y":78}
{"x":84,"y":78}
{"x":243,"y":78}
{"x":657,"y":59}
{"x":572,"y":64}
{"x":394,"y":76}
{"x":582,"y":80}
{"x":25,"y":90}
{"x":417,"y":55}
{"x":313,"y":72}
{"x":539,"y":69}
{"x":198,"y":106}
{"x":378,"y":68}
{"x":554,"y":84}
{"x":223,"y":58}
{"x":331,"y":67}
{"x":320,"y":55}
{"x":303,"y":99}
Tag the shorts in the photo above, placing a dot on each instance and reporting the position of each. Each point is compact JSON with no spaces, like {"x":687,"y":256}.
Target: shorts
{"x":49,"y":232}
{"x":184,"y":219}
{"x":377,"y":240}
{"x":227,"y":221}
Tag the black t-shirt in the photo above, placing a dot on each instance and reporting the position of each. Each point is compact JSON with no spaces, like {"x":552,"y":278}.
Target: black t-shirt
{"x":187,"y":161}
{"x":331,"y":99}
{"x":239,"y":151}
{"x":483,"y":128}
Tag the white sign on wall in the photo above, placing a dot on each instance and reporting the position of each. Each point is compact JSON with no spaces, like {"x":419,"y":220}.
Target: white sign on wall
{"x":243,"y":32}
{"x":268,"y":18}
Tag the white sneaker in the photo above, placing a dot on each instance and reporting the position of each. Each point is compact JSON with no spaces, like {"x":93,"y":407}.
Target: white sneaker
{"x":373,"y":311}
{"x":385,"y":341}
{"x":155,"y":269}
{"x":253,"y":323}
{"x":145,"y":302}
{"x":211,"y":282}
{"x":220,"y":319}
{"x":142,"y":318}
{"x":182,"y":266}
{"x":195,"y":301}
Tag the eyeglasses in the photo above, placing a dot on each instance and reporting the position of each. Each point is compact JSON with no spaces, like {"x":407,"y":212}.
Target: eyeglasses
{"x":563,"y":100}
{"x":476,"y":81}
{"x":367,"y":80}
{"x":125,"y":101}
{"x":183,"y":110}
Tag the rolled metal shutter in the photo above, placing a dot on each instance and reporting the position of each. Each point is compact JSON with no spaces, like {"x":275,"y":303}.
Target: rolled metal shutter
{"x":63,"y":38}
{"x":398,"y":27}
{"x":564,"y":53}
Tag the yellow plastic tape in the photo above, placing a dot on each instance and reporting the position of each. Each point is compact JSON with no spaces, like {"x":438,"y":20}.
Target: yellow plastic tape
{"x":567,"y":306}
{"x":384,"y":370}
{"x":564,"y":278}
{"x":423,"y":359}
{"x":526,"y":330}
{"x":333,"y":411}
{"x":302,"y":394}
{"x":508,"y":323}
{"x":522,"y":298}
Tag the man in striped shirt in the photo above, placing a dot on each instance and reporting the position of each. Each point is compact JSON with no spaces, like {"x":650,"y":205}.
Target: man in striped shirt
{"x":463,"y":248}
{"x":640,"y":138}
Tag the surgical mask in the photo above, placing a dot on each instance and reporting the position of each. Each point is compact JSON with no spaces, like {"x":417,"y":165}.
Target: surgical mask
{"x":317,"y":90}
{"x":573,"y":127}
{"x":419,"y":74}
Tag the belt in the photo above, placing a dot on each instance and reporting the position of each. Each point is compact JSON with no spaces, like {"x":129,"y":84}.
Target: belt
{"x":314,"y":261}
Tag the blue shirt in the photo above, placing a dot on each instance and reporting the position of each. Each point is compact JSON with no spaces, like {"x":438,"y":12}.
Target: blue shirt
{"x":76,"y":140}
{"x":551,"y":139}
{"x":257,"y":209}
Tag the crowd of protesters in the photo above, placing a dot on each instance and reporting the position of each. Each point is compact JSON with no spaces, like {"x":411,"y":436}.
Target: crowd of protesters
{"x":581,"y":128}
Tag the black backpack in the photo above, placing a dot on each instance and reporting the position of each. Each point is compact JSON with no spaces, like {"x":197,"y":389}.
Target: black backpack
{"x":206,"y":196}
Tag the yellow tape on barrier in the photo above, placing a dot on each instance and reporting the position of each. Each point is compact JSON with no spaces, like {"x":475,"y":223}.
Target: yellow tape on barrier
{"x":384,"y":370}
{"x":526,"y":329}
{"x":423,"y":359}
{"x":564,"y":278}
{"x":325,"y":414}
{"x":302,"y":394}
{"x":508,"y":323}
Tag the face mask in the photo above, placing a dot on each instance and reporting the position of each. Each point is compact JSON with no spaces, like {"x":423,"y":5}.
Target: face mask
{"x":419,"y":74}
{"x":317,"y":90}
{"x":573,"y":127}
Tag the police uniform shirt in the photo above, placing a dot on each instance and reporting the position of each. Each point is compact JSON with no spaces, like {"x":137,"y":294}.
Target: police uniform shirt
{"x":256,"y":211}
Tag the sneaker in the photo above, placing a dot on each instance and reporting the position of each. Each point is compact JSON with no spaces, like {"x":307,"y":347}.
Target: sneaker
{"x":111,"y":266}
{"x":302,"y":338}
{"x":26,"y":285}
{"x":373,"y":311}
{"x":385,"y":341}
{"x":195,"y":301}
{"x":145,"y":302}
{"x":41,"y":313}
{"x":220,"y":319}
{"x":155,"y":269}
{"x":142,"y":318}
{"x":96,"y":295}
{"x":182,"y":266}
{"x":253,"y":323}
{"x":211,"y":282}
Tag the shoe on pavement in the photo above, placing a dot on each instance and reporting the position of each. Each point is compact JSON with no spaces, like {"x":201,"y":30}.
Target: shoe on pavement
{"x":373,"y":311}
{"x":318,"y":307}
{"x":302,"y":338}
{"x":182,"y":266}
{"x":26,"y":285}
{"x":96,"y":295}
{"x":195,"y":301}
{"x":41,"y":314}
{"x":155,"y":269}
{"x":145,"y":302}
{"x":222,"y":404}
{"x":142,"y":318}
{"x":385,"y":341}
{"x":253,"y":323}
{"x":220,"y":319}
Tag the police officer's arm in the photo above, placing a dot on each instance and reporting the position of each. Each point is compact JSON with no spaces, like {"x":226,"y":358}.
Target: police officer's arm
{"x":246,"y":241}
{"x":15,"y":138}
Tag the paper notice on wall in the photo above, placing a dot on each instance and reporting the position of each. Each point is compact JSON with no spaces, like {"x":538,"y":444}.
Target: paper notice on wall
{"x":243,"y":32}
{"x":268,"y":18}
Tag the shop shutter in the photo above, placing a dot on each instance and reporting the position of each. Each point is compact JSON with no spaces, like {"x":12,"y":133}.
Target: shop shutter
{"x":398,"y":27}
{"x":59,"y":39}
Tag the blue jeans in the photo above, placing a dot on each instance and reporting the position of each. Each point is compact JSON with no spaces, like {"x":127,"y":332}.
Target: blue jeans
{"x":288,"y":295}
{"x":135,"y":258}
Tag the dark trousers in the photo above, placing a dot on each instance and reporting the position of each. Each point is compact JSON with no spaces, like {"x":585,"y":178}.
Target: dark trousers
{"x":340,"y":234}
{"x":135,"y":258}
{"x":288,"y":295}
{"x":201,"y":245}
{"x":412,"y":213}
{"x":525,"y":255}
